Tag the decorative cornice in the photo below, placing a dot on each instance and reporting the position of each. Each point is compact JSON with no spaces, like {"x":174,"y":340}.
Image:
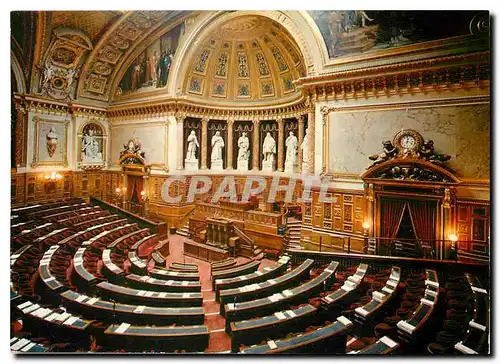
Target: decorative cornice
{"x":453,"y":72}
{"x":49,"y":106}
{"x":180,"y":107}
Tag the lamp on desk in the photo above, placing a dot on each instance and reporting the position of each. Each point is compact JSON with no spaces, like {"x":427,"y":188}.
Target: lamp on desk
{"x":453,"y":246}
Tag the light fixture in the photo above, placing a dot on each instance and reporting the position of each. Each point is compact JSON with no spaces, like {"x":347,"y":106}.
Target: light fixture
{"x":117,"y":190}
{"x":52,"y":177}
{"x":143,"y":193}
{"x":366,"y":225}
{"x":453,"y":237}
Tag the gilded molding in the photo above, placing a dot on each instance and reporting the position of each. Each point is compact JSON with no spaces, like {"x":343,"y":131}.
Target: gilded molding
{"x":465,"y":71}
{"x":36,"y":162}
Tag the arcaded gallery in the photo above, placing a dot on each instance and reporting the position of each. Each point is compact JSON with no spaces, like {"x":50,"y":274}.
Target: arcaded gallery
{"x":250,"y":182}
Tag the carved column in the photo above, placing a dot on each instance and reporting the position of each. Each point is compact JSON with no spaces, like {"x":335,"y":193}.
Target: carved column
{"x":301,"y":139}
{"x":180,"y":141}
{"x":230,"y":123}
{"x":255,"y":148}
{"x":20,"y":121}
{"x":311,"y":127}
{"x":204,"y":144}
{"x":281,"y":143}
{"x":167,"y":143}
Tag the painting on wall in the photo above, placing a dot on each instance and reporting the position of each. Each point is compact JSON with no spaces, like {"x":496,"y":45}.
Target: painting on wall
{"x":357,"y":31}
{"x":151,"y":68}
{"x":50,"y":143}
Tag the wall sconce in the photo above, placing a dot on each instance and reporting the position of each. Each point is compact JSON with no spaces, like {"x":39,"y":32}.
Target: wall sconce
{"x":53,"y":177}
{"x":366,"y":226}
{"x":143,"y":194}
{"x":453,"y":238}
{"x":50,"y":182}
{"x":118,"y":190}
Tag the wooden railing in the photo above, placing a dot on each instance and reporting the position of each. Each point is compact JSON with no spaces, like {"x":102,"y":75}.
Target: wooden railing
{"x":159,"y":227}
{"x":377,"y":263}
{"x":243,"y":236}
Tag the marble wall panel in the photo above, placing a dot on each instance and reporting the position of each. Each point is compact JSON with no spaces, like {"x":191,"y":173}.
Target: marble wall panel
{"x":460,"y":131}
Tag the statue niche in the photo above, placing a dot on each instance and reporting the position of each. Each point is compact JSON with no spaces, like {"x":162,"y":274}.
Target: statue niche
{"x":92,"y":147}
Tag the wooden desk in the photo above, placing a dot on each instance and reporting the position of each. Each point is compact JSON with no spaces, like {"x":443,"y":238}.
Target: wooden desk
{"x":383,"y":346}
{"x":60,"y":326}
{"x":327,"y":339}
{"x":477,"y":338}
{"x":157,"y":338}
{"x":23,"y":346}
{"x":276,"y":325}
{"x":111,"y":270}
{"x":84,"y":277}
{"x":258,"y":276}
{"x":263,"y":289}
{"x":204,"y":251}
{"x":277,"y":301}
{"x":151,"y":298}
{"x":223,"y":264}
{"x":408,"y":329}
{"x":174,"y":275}
{"x":99,"y":309}
{"x":184,"y":267}
{"x":137,"y":265}
{"x":238,"y":270}
{"x":160,"y":285}
{"x":344,"y":294}
{"x":369,"y":315}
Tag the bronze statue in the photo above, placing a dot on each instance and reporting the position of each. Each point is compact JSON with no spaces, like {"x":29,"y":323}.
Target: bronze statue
{"x":389,"y":152}
{"x":427,"y":152}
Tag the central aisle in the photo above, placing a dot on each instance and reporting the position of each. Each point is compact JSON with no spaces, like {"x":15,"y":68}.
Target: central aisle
{"x":219,"y":341}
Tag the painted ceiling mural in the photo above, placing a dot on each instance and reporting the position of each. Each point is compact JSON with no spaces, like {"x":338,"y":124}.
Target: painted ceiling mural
{"x":357,"y":31}
{"x":151,"y":68}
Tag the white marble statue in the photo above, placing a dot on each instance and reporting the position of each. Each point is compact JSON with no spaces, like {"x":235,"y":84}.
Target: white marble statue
{"x":217,"y":145}
{"x":192,"y":146}
{"x":269,"y":148}
{"x":90,"y":147}
{"x":292,"y":145}
{"x":244,"y":147}
{"x":305,"y":147}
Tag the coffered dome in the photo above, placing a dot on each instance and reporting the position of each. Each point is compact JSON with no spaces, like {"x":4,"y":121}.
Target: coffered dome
{"x":248,"y":59}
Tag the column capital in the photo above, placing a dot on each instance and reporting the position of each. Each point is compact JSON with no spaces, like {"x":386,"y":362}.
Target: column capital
{"x":301,"y":119}
{"x":180,"y":116}
{"x":230,"y":120}
{"x":280,"y":121}
{"x":205,"y":119}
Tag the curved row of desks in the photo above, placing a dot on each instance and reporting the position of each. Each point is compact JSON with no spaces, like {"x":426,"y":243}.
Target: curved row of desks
{"x":326,"y":339}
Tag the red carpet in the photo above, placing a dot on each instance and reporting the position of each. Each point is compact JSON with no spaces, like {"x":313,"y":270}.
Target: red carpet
{"x":219,"y":340}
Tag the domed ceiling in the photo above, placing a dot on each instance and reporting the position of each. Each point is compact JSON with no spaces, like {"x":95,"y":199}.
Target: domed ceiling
{"x":247,"y":59}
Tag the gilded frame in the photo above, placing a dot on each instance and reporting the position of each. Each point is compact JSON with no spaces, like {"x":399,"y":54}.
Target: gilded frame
{"x":36,"y":158}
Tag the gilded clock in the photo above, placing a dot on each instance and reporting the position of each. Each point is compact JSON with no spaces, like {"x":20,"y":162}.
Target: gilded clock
{"x":408,"y":140}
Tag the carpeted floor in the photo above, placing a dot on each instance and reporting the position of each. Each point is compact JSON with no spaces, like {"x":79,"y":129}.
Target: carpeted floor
{"x":219,"y":340}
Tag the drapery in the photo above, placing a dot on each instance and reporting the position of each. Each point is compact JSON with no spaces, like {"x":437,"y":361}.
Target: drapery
{"x":135,"y":186}
{"x":392,"y":212}
{"x":423,"y":215}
